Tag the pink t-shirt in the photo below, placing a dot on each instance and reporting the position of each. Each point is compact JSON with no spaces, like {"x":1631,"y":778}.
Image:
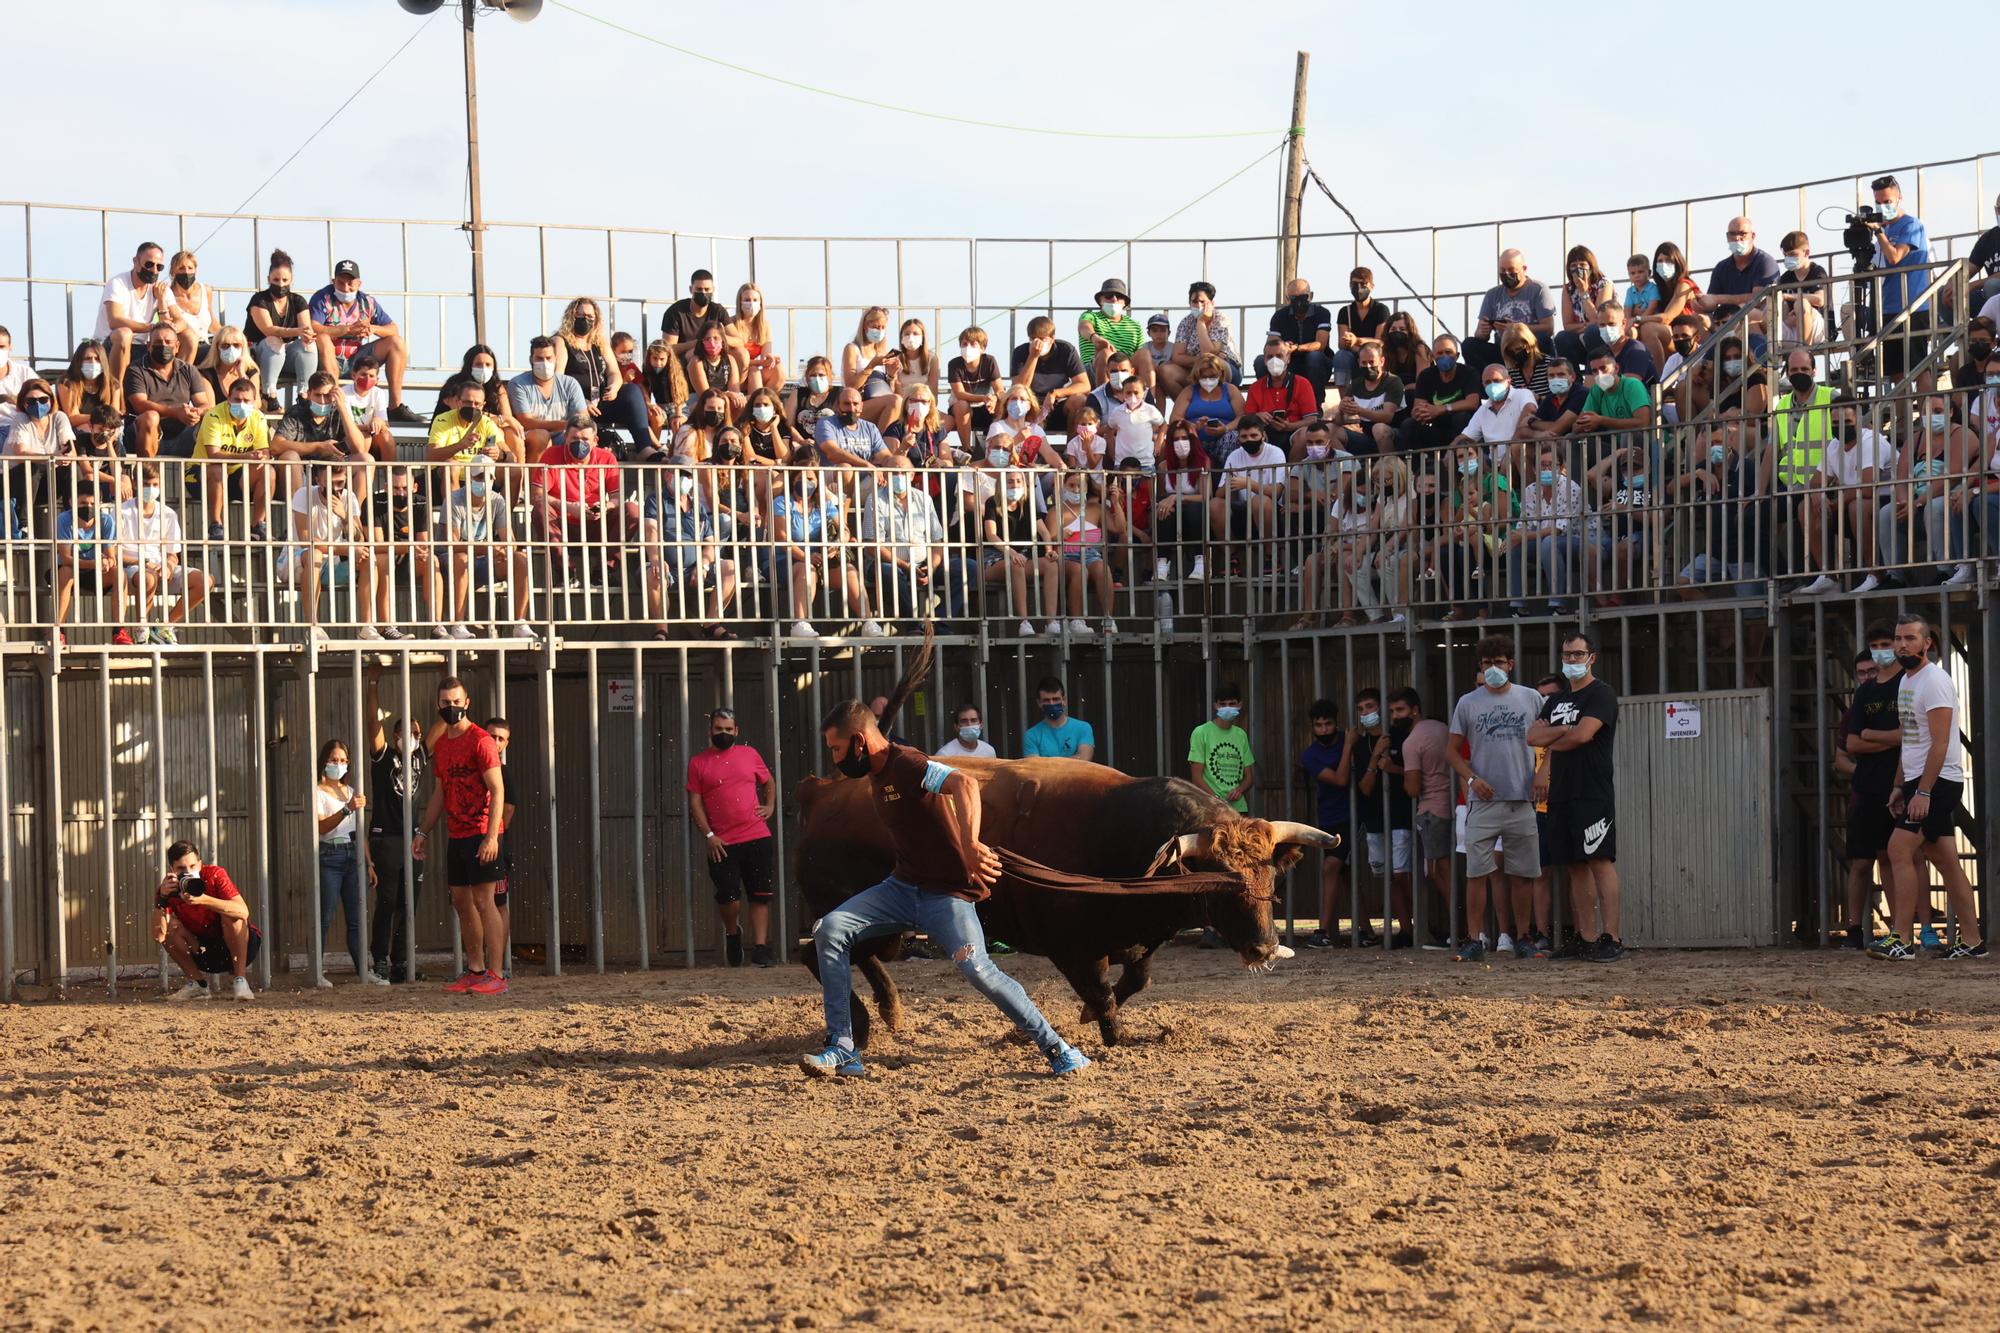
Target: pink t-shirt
{"x":726,"y":781}
{"x":1424,"y":749}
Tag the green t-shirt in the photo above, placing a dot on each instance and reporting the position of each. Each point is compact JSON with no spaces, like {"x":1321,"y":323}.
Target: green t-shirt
{"x":1622,"y":402}
{"x":1123,"y":333}
{"x":1224,"y":754}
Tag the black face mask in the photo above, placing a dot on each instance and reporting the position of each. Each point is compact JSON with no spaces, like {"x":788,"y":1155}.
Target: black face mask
{"x":1910,"y":663}
{"x":161,"y":353}
{"x":1402,"y":728}
{"x":1302,"y":303}
{"x":85,"y":517}
{"x":1849,"y":432}
{"x":1801,"y":382}
{"x":1980,"y":351}
{"x":183,"y":280}
{"x":855,"y":763}
{"x":713,"y":416}
{"x":722,"y":740}
{"x":1683,"y":345}
{"x":468,"y":414}
{"x":1399,"y":339}
{"x":727,"y":453}
{"x":1359,"y":290}
{"x":279,"y":289}
{"x":583,"y":323}
{"x":700,"y":300}
{"x":451,"y":713}
{"x":847,"y":416}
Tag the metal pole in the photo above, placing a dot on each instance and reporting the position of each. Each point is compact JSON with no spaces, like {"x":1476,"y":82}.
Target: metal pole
{"x":6,"y":852}
{"x":639,"y":804}
{"x":778,"y":794}
{"x":110,"y":837}
{"x":261,"y":811}
{"x":475,"y":225}
{"x":410,"y":801}
{"x":357,"y":770}
{"x":1295,"y":183}
{"x":687,"y":830}
{"x":56,"y":952}
{"x":552,"y":961}
{"x":309,"y":681}
{"x":596,"y":818}
{"x":160,"y":787}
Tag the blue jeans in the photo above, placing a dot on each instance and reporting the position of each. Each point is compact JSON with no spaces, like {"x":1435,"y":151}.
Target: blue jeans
{"x":1945,"y":537}
{"x":340,"y":886}
{"x":1988,"y":509}
{"x":1556,"y":554}
{"x":298,"y":358}
{"x":1315,"y":368}
{"x":892,"y":907}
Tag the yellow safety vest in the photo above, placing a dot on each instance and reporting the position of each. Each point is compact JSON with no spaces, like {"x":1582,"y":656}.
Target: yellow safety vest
{"x":1801,"y":435}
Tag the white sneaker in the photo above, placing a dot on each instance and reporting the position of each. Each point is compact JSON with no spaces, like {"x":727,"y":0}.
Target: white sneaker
{"x":442,"y":632}
{"x":1959,"y":577}
{"x":1197,"y":574}
{"x":461,"y":632}
{"x":324,"y":983}
{"x":1053,"y":629}
{"x":872,"y":629}
{"x":392,"y":634}
{"x":318,"y":634}
{"x":373,"y":979}
{"x":1396,"y":619}
{"x":523,"y":630}
{"x":1079,"y":629}
{"x":1027,"y":630}
{"x":193,"y":990}
{"x":1869,"y":584}
{"x":1161,"y":571}
{"x":241,"y":990}
{"x":801,"y":630}
{"x":1107,"y":627}
{"x":369,"y":634}
{"x":1506,"y":944}
{"x":1818,"y":587}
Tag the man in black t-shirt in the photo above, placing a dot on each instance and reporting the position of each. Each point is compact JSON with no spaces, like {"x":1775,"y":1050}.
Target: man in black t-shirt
{"x":396,"y":765}
{"x":681,"y":326}
{"x":1305,"y":331}
{"x":1358,"y":322}
{"x":1387,"y":813}
{"x":1053,"y":370}
{"x":1577,"y":726}
{"x":1441,"y":401}
{"x":317,"y":428}
{"x":1871,"y":736}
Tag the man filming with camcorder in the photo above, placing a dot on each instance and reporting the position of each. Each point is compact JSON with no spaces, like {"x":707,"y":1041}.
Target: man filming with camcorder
{"x":204,"y":923}
{"x":1882,"y":239}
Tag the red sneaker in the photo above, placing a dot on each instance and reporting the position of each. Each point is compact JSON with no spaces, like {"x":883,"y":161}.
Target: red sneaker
{"x":463,"y":982}
{"x":123,"y":638}
{"x":490,"y":983}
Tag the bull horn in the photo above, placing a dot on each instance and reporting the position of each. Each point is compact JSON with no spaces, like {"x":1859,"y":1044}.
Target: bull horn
{"x":1285,"y":831}
{"x":1179,"y":849}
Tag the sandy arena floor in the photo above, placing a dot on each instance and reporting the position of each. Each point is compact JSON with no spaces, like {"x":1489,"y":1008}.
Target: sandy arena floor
{"x":1686,"y":1140}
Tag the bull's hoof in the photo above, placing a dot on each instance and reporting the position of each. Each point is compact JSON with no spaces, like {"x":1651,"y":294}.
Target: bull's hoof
{"x":1111,"y":1030}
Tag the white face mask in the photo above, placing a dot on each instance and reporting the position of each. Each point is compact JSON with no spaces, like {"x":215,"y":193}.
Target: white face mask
{"x":481,"y":374}
{"x":1181,"y":448}
{"x":1118,"y":378}
{"x":1112,"y":308}
{"x":624,"y":358}
{"x":751,"y":305}
{"x":90,"y":370}
{"x":1275,"y":364}
{"x":1611,"y":333}
{"x":545,"y":370}
{"x":1607,"y":380}
{"x":1017,"y":408}
{"x":969,"y":354}
{"x":1665,"y":270}
{"x":229,"y":356}
{"x":913,"y":342}
{"x":761,"y":413}
{"x":1208,"y":384}
{"x":1739,"y":248}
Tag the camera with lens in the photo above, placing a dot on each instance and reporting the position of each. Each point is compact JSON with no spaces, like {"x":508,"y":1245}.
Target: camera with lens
{"x":1859,"y":236}
{"x":187,"y":884}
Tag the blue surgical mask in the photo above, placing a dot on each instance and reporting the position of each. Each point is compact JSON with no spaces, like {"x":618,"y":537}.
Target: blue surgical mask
{"x":1890,"y":207}
{"x":1052,"y":711}
{"x":40,"y":408}
{"x":1717,"y":453}
{"x":1469,"y":467}
{"x":968,"y":734}
{"x":899,"y":485}
{"x":1575,"y":670}
{"x":320,"y":409}
{"x":1371,"y":719}
{"x":1883,"y":657}
{"x":875,"y":335}
{"x":1227,"y":713}
{"x":1017,"y":408}
{"x":1497,"y":390}
{"x":1447,"y":362}
{"x":150,"y":494}
{"x":579,"y":449}
{"x":1495,"y":677}
{"x":336,"y":771}
{"x":1638,"y":481}
{"x":1940,"y":422}
{"x":239,"y":411}
{"x":1733,"y":366}
{"x":1558,"y":385}
{"x":1547,"y":477}
{"x":817,"y":383}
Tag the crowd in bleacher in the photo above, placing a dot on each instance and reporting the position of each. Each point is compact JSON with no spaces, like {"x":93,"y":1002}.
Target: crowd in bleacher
{"x":1675,"y":438}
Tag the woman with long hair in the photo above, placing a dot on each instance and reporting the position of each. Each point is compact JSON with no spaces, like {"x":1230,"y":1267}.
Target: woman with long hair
{"x":1404,"y":352}
{"x":712,"y":367}
{"x":811,"y":399}
{"x":1670,"y":270}
{"x":343,"y":856}
{"x":189,"y":307}
{"x":583,"y":352}
{"x":749,"y":332}
{"x":482,"y":367}
{"x":1585,"y":291}
{"x":228,"y":361}
{"x":868,"y":363}
{"x":86,"y":384}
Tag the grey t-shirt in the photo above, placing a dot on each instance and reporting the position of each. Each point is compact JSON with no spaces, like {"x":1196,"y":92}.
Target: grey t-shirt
{"x":1497,"y":726}
{"x":1524,"y":305}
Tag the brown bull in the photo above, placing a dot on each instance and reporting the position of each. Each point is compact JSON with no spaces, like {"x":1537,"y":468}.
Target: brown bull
{"x":1099,"y":826}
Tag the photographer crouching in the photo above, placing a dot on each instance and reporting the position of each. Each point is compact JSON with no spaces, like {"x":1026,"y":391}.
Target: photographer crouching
{"x":204,"y":923}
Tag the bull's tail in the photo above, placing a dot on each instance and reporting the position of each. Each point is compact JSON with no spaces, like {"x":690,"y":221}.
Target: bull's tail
{"x":913,"y":676}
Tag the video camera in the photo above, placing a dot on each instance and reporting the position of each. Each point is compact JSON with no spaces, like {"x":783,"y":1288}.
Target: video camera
{"x":1859,"y":237}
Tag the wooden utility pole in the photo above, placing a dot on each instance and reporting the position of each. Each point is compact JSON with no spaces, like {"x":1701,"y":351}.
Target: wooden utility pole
{"x":476,"y":225}
{"x":1295,"y":181}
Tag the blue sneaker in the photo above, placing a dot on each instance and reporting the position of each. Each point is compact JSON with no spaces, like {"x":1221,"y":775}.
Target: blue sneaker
{"x":1067,"y":1060}
{"x":831,"y":1062}
{"x":1471,"y":951}
{"x":1928,"y":938}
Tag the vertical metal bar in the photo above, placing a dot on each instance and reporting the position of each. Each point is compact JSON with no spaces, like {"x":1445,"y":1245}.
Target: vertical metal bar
{"x":1820,"y":783}
{"x":1284,"y":747}
{"x":260,"y":807}
{"x":774,"y":738}
{"x":552,"y":962}
{"x":309,"y":681}
{"x":639,"y":750}
{"x":411,"y":798}
{"x":110,"y":833}
{"x":55,"y":958}
{"x":1109,"y":747}
{"x":214,"y":798}
{"x":687,"y":829}
{"x":7,"y":751}
{"x":161,"y":835}
{"x":596,"y":816}
{"x":500,"y":710}
{"x":357,"y":770}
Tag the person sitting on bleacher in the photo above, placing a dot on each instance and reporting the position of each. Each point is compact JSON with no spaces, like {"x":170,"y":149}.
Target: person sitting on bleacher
{"x":86,"y":386}
{"x":149,"y":553}
{"x":86,"y":554}
{"x":482,"y":368}
{"x":368,"y":403}
{"x":164,"y":398}
{"x":228,"y":360}
{"x":399,"y":514}
{"x":99,"y":462}
{"x":1052,"y":368}
{"x":465,"y":432}
{"x":543,"y":399}
{"x":1110,"y":332}
{"x":704,"y":580}
{"x":579,"y":504}
{"x":280,"y":331}
{"x":127,"y":310}
{"x":350,"y":324}
{"x":484,"y":556}
{"x":335,"y":550}
{"x":39,"y":435}
{"x":847,"y":437}
{"x":316,"y":429}
{"x":234,"y":431}
{"x":584,"y":352}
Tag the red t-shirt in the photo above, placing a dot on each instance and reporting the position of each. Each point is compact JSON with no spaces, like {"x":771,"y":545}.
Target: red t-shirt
{"x":460,"y":763}
{"x":726,"y":781}
{"x":572,"y":482}
{"x":1291,"y":397}
{"x":199,"y":918}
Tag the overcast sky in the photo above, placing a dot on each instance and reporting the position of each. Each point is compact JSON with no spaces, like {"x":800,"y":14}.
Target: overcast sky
{"x":1418,"y":114}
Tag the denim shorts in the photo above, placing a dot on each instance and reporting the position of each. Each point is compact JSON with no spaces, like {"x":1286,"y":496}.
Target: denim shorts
{"x":1084,"y":555}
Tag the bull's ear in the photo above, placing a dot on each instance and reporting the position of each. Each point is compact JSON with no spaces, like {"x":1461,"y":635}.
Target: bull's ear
{"x":1179,"y":849}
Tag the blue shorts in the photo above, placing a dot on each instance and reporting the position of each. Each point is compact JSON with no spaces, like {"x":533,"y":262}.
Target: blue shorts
{"x":1084,"y":555}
